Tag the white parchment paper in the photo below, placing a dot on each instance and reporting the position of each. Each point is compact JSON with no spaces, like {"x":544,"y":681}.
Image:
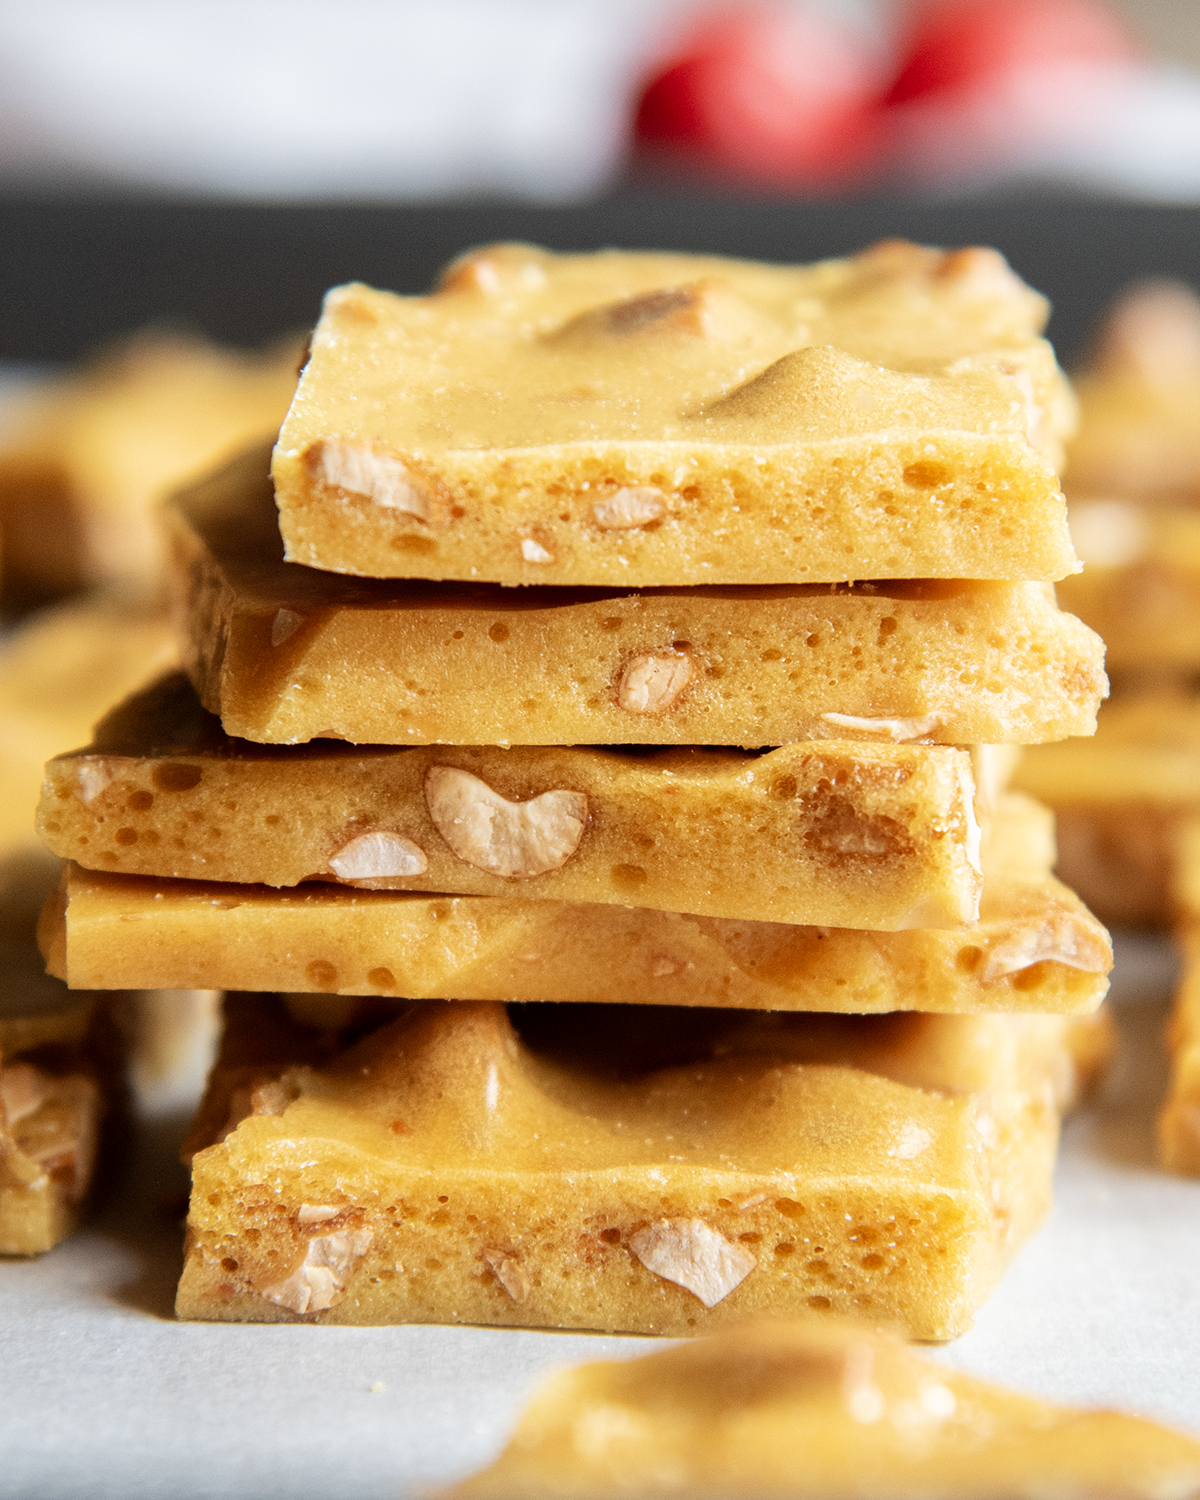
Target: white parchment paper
{"x":103,"y":1395}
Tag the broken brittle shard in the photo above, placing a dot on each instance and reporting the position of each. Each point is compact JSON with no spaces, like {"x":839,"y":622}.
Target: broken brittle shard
{"x":1035,"y":946}
{"x":60,"y":1077}
{"x":820,"y":1409}
{"x":84,"y":460}
{"x":1137,"y":436}
{"x":647,"y":419}
{"x":670,"y":1174}
{"x":59,"y":672}
{"x":285,"y":654}
{"x":1141,"y":586}
{"x":1119,"y":802}
{"x":1179,"y":1120}
{"x":833,"y":832}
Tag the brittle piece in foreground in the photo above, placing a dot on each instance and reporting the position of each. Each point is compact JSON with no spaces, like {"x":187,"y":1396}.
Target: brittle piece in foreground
{"x":818,"y":1409}
{"x":835,"y":832}
{"x":1034,"y":948}
{"x":647,"y":419}
{"x":663,"y":1171}
{"x":285,"y":654}
{"x":1119,"y":801}
{"x":59,"y":1079}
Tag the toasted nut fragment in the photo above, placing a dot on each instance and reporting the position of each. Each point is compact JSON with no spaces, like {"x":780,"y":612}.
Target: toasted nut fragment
{"x":285,"y":625}
{"x":694,"y":1256}
{"x":363,"y":471}
{"x":320,"y":1279}
{"x":273,"y":1096}
{"x":980,"y":269}
{"x":888,"y":729}
{"x":53,"y":1122}
{"x":509,"y":1273}
{"x":911,"y":1140}
{"x":23,"y":1090}
{"x":94,"y":776}
{"x":534,"y":552}
{"x":316,"y":1213}
{"x":1060,"y":938}
{"x":514,"y":839}
{"x":630,"y":507}
{"x":651,"y":684}
{"x":377,"y":855}
{"x":494,"y":269}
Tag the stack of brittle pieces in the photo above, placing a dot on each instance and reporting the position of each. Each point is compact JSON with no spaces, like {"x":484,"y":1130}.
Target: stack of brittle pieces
{"x":570,"y":689}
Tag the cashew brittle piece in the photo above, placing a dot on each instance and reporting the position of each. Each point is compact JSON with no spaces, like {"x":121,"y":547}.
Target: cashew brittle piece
{"x":650,"y":684}
{"x":629,"y":507}
{"x":514,"y":839}
{"x":509,"y":1273}
{"x":377,"y":855}
{"x":364,"y":471}
{"x":693,"y":1255}
{"x":1059,"y":938}
{"x":320,"y":1280}
{"x":23,"y":1091}
{"x":897,"y":730}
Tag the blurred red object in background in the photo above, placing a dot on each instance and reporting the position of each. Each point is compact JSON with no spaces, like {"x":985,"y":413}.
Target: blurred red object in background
{"x":984,"y":87}
{"x":951,"y":45}
{"x":775,"y":94}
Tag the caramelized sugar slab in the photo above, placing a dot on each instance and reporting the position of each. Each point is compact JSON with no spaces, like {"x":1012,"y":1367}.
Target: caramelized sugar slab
{"x":60,"y":1075}
{"x":286,"y":654}
{"x":1035,"y":947}
{"x":823,"y":1409}
{"x":1137,"y":435}
{"x":643,"y":419}
{"x":1121,"y":802}
{"x":1141,"y":583}
{"x":59,"y":672}
{"x":621,"y":1171}
{"x":834,"y":832}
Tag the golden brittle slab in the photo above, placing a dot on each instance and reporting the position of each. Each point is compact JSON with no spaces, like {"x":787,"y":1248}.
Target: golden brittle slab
{"x":1119,"y":800}
{"x":1137,"y":438}
{"x":1035,"y":946}
{"x":59,"y":671}
{"x":1141,"y":586}
{"x":835,"y":832}
{"x":1179,"y":1120}
{"x":820,"y":1409}
{"x":85,"y":460}
{"x":59,"y":1064}
{"x":644,"y":419}
{"x":286,"y":654}
{"x":660,"y":1172}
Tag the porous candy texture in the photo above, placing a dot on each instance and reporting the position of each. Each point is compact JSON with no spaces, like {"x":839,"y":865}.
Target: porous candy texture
{"x":641,"y":419}
{"x":647,"y":1177}
{"x":285,"y":654}
{"x":834,"y":832}
{"x":1035,"y":946}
